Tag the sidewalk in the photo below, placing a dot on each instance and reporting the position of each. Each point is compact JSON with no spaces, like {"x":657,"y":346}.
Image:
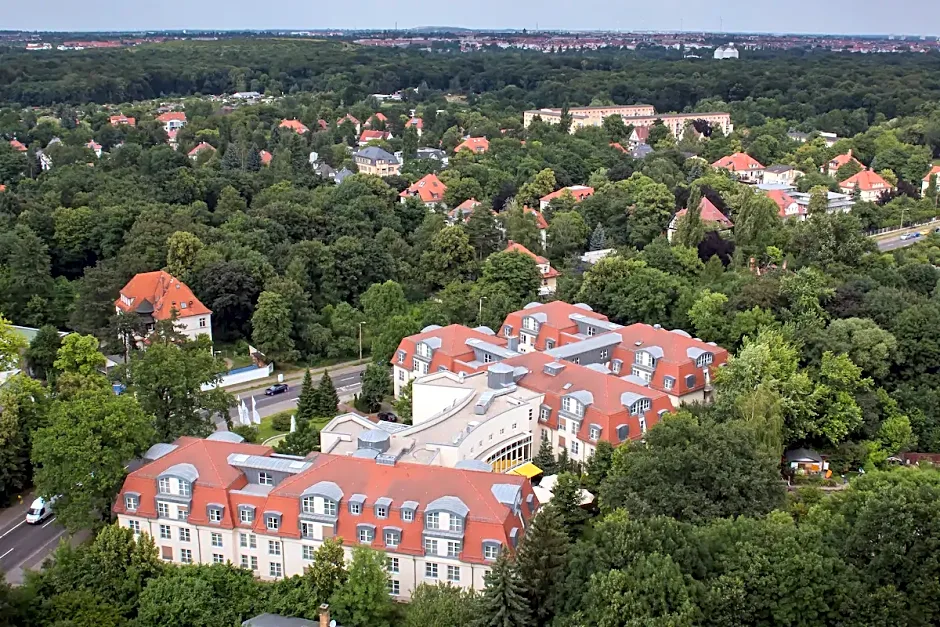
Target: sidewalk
{"x":297,"y":376}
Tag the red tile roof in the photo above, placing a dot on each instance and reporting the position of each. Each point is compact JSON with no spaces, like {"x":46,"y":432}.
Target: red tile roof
{"x":378,"y":116}
{"x":557,"y":324}
{"x":3,"y":188}
{"x":784,"y":201}
{"x":117,"y":120}
{"x":618,"y":146}
{"x":349,"y":117}
{"x":710,"y":213}
{"x":295,"y":125}
{"x":17,"y":146}
{"x":173,"y":115}
{"x":642,"y":133}
{"x":934,"y":171}
{"x":474,"y":144}
{"x":202,"y":146}
{"x":368,"y":136}
{"x":453,"y":353}
{"x":739,"y":162}
{"x":540,"y":220}
{"x":840,"y":160}
{"x":867,"y":181}
{"x":322,"y":124}
{"x":418,"y":123}
{"x":429,"y":188}
{"x":219,"y":482}
{"x":265,"y":157}
{"x":464,"y":209}
{"x":162,"y":293}
{"x":515,"y":247}
{"x":579,"y":192}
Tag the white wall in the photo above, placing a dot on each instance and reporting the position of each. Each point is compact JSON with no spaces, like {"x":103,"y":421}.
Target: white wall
{"x":500,"y":430}
{"x":242,"y":377}
{"x":189,"y":326}
{"x":430,"y":400}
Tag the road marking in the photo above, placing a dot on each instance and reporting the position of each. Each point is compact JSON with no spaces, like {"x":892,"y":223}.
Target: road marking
{"x":5,"y":554}
{"x":51,"y":520}
{"x":22,"y":522}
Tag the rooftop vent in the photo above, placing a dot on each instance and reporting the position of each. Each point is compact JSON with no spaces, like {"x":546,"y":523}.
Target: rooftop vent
{"x":553,"y":368}
{"x":657,"y":326}
{"x":638,"y":343}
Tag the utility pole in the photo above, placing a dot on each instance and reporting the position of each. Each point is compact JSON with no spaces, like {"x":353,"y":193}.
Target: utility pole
{"x":360,"y":340}
{"x":480,"y":315}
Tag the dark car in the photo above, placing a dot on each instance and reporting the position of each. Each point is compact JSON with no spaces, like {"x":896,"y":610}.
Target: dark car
{"x":277,"y":388}
{"x":388,"y":416}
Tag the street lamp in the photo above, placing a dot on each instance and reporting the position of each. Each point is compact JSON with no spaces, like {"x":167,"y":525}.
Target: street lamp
{"x":903,"y":209}
{"x":360,"y":340}
{"x":480,"y":315}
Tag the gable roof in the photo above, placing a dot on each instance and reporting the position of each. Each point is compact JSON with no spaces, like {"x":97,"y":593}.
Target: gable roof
{"x":18,"y":146}
{"x":515,"y":247}
{"x":866,"y":181}
{"x":738,"y":162}
{"x":579,"y":192}
{"x":265,"y":157}
{"x":368,"y":135}
{"x":642,"y":133}
{"x":429,"y":188}
{"x":349,"y":117}
{"x":295,"y":125}
{"x":122,"y":119}
{"x":709,"y":213}
{"x":202,"y":146}
{"x":474,"y":144}
{"x":934,"y":171}
{"x":158,"y":294}
{"x":840,"y":160}
{"x":540,"y":220}
{"x":784,"y":200}
{"x":416,"y":122}
{"x":171,"y":116}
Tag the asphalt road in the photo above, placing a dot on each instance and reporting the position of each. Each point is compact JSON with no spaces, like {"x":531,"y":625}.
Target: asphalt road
{"x":897,"y":242}
{"x":25,"y":546}
{"x":346,"y":384}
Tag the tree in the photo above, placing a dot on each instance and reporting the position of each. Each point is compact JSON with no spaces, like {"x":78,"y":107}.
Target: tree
{"x":167,"y":379}
{"x":515,"y":273}
{"x":271,"y":326}
{"x":598,"y":466}
{"x":383,"y":301}
{"x":325,"y":398}
{"x":441,"y":605}
{"x":42,"y":351}
{"x":483,"y":232}
{"x":11,"y":343}
{"x":690,"y":230}
{"x":629,"y":291}
{"x":449,"y":257}
{"x":566,"y":499}
{"x":503,"y":603}
{"x":23,"y":410}
{"x":363,"y":600}
{"x":200,"y":596}
{"x":403,"y":404}
{"x":182,"y":251}
{"x":307,"y":400}
{"x":598,"y":238}
{"x":521,"y":226}
{"x":376,"y":385}
{"x":545,"y":458}
{"x":693,"y":472}
{"x":542,"y":184}
{"x":870,"y":347}
{"x":658,"y":133}
{"x":328,"y":572}
{"x":567,"y":235}
{"x":542,"y":565}
{"x":819,"y":200}
{"x":81,"y":455}
{"x":79,"y":355}
{"x":848,"y":170}
{"x":756,"y":223}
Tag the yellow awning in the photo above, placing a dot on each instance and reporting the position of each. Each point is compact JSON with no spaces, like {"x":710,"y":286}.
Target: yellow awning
{"x":527,"y":470}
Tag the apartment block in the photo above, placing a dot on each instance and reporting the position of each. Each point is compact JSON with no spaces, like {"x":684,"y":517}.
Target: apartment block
{"x":635,"y":115}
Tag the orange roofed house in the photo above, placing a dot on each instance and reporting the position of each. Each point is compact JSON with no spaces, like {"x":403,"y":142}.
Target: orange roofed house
{"x":838,"y":161}
{"x":870,"y":184}
{"x":156,"y":295}
{"x":429,"y":189}
{"x":548,"y":273}
{"x":172,"y":121}
{"x":474,"y":144}
{"x":710,"y":215}
{"x":222,"y":500}
{"x":934,"y":173}
{"x":743,"y":166}
{"x":294,"y":125}
{"x":578,"y":192}
{"x":122,"y":120}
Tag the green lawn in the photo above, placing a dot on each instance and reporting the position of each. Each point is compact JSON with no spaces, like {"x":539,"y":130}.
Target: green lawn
{"x":239,"y":357}
{"x":267,"y":430}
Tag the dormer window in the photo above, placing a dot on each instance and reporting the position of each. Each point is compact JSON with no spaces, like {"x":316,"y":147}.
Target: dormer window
{"x":424,"y":350}
{"x":265,"y":478}
{"x":131,"y":502}
{"x":705,"y":359}
{"x":164,"y":485}
{"x":184,"y":488}
{"x":307,"y":505}
{"x":572,"y":406}
{"x":456,"y":523}
{"x":644,"y":359}
{"x":641,"y":406}
{"x":530,"y":324}
{"x":432,"y":520}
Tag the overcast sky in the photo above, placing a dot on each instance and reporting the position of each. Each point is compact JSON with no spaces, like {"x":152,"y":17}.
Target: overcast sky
{"x":916,"y":17}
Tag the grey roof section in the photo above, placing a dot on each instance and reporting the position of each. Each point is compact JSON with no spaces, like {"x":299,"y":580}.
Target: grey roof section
{"x":409,"y":505}
{"x":449,"y":504}
{"x":383,"y":502}
{"x":431,"y":327}
{"x":642,"y":151}
{"x":584,"y":306}
{"x":366,"y":453}
{"x":262,"y":462}
{"x":592,"y":343}
{"x":778,"y":168}
{"x":225,"y":436}
{"x":532,"y":305}
{"x":681,"y":332}
{"x":601,"y":368}
{"x":627,"y":399}
{"x":501,"y":368}
{"x":804,"y":456}
{"x":473,"y":464}
{"x":596,"y":426}
{"x":324,"y":488}
{"x":582,"y":396}
{"x":374,"y":153}
{"x":342,"y":175}
{"x":489,"y":347}
{"x":184,"y":471}
{"x":433,"y":342}
{"x":655,"y":351}
{"x":541,"y":316}
{"x":374,"y":436}
{"x":275,"y":620}
{"x":635,"y":380}
{"x":484,"y":329}
{"x":594,"y":322}
{"x":506,"y":493}
{"x":159,"y":450}
{"x":357,"y":498}
{"x":391,"y":427}
{"x":695,"y":352}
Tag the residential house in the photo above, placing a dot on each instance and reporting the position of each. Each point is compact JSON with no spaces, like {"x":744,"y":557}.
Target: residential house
{"x":374,"y":160}
{"x":247,"y":95}
{"x":199,"y":149}
{"x":341,"y":176}
{"x":548,"y":274}
{"x":158,"y":295}
{"x":838,"y":161}
{"x":462,"y":212}
{"x":172,"y":121}
{"x":370,"y":136}
{"x":869,"y":184}
{"x":294,"y":125}
{"x":934,"y":172}
{"x":710,"y":216}
{"x":171,"y":139}
{"x":476,"y":145}
{"x":779,"y":174}
{"x":17,"y":146}
{"x":429,"y":189}
{"x":416,"y":123}
{"x":265,"y":157}
{"x":221,"y":500}
{"x":798,"y":136}
{"x":321,"y":123}
{"x":540,"y":223}
{"x":743,"y":166}
{"x":433,"y":153}
{"x":788,"y":207}
{"x":378,"y":119}
{"x":122,"y":120}
{"x":351,"y":119}
{"x":45,"y":161}
{"x":578,"y":192}
{"x":324,"y":171}
{"x":641,"y":151}
{"x":639,"y":135}
{"x":95,"y":147}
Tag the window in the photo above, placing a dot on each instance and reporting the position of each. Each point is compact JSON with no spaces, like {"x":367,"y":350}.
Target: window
{"x":574,"y":447}
{"x":594,"y":433}
{"x":642,"y":374}
{"x":216,"y":539}
{"x":574,"y":425}
{"x":246,"y":515}
{"x":392,"y":564}
{"x":248,"y":540}
{"x":184,"y":534}
{"x":424,"y":350}
{"x":306,"y":505}
{"x":572,"y":406}
{"x":307,"y":552}
{"x":591,"y":331}
{"x":182,"y":513}
{"x":507,"y":331}
{"x":401,"y":357}
{"x":430,"y":546}
{"x":164,"y":532}
{"x":253,"y":541}
{"x":615,"y":366}
{"x":453,"y":573}
{"x":166,"y":553}
{"x":163,"y":510}
{"x":164,"y":485}
{"x":273,"y":523}
{"x":487,"y":358}
{"x":391,"y":539}
{"x":306,"y":530}
{"x":416,"y":365}
{"x":432,"y":520}
{"x":544,"y":413}
{"x":644,"y":359}
{"x":381,"y":511}
{"x":202,"y":323}
{"x":642,"y":405}
{"x":549,"y":344}
{"x":366,"y":534}
{"x":134,"y":526}
{"x":704,"y":360}
{"x":456,"y":523}
{"x":604,"y":353}
{"x":184,"y":488}
{"x":355,"y":508}
{"x":215,"y":515}
{"x":530,"y":324}
{"x":274,"y":547}
{"x":329,"y":508}
{"x":217,"y":558}
{"x":490,"y":551}
{"x":453,"y":548}
{"x":408,"y":515}
{"x":254,"y":563}
{"x":265,"y":478}
{"x":642,"y":424}
{"x":244,"y":563}
{"x":394,"y":588}
{"x":186,"y":556}
{"x":401,"y":375}
{"x":275,"y":569}
{"x":131,"y":502}
{"x":668,"y":382}
{"x":430,"y":570}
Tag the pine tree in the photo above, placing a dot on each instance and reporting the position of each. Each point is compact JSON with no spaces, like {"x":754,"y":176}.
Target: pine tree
{"x":566,"y":499}
{"x":252,"y":160}
{"x":307,"y":402}
{"x":545,"y":458}
{"x":326,"y":398}
{"x":598,"y":238}
{"x":231,"y":160}
{"x":542,"y":564}
{"x":503,"y":603}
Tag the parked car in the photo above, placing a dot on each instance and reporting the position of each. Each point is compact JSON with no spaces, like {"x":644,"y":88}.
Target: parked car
{"x":39,"y":511}
{"x":913,"y":235}
{"x":277,"y":388}
{"x":388,"y":416}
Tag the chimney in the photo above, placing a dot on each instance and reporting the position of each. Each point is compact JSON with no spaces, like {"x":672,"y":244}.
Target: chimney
{"x":325,"y":615}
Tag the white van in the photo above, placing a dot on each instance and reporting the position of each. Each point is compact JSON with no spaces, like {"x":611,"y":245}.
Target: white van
{"x":39,"y":511}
